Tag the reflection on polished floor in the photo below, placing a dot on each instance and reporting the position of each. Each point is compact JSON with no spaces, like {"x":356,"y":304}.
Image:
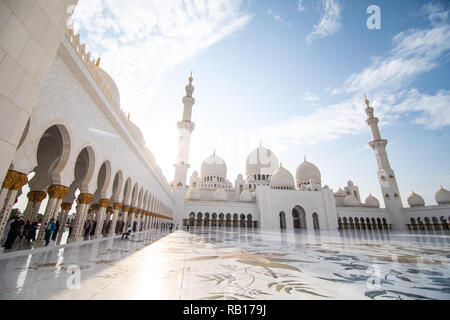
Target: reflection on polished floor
{"x":237,"y":264}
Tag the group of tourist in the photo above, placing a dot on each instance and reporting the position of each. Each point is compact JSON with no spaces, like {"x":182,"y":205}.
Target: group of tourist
{"x":18,"y":228}
{"x":27,"y":230}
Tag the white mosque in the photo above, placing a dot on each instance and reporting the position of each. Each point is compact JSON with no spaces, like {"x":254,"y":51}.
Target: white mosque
{"x":53,"y":90}
{"x":269,"y":197}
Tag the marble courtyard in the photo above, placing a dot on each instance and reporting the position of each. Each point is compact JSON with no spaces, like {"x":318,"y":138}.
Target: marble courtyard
{"x":237,"y":264}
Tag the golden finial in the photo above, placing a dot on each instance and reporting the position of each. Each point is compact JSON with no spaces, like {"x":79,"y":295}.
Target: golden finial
{"x":367,"y":101}
{"x":98,"y":62}
{"x":190,"y":78}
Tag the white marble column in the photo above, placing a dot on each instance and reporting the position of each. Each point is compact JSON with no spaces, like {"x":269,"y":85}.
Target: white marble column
{"x":14,"y":181}
{"x":102,"y":204}
{"x":84,"y":199}
{"x":55,"y":193}
{"x":34,"y":203}
{"x":65,"y":207}
{"x":116,"y":209}
{"x":125,"y":211}
{"x":132,"y":216}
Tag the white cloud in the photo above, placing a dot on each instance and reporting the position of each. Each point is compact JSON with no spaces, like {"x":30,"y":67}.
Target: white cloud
{"x":415,"y":52}
{"x":329,"y":23}
{"x":141,"y":40}
{"x":386,"y":81}
{"x":436,"y":13}
{"x":300,"y":6}
{"x":310,"y":98}
{"x":276,"y":17}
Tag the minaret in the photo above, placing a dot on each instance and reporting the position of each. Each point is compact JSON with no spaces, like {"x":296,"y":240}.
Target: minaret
{"x":185,"y":128}
{"x":386,"y":176}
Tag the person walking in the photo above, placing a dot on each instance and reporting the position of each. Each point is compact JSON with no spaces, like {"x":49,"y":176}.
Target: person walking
{"x":55,"y":233}
{"x":70,"y":227}
{"x":26,"y":229}
{"x":7,"y":228}
{"x":51,"y":227}
{"x":127,"y":233}
{"x":14,"y":231}
{"x":32,"y":232}
{"x":87,"y":227}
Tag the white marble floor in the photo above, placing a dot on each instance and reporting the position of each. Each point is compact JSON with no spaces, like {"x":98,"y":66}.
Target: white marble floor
{"x":236,"y":264}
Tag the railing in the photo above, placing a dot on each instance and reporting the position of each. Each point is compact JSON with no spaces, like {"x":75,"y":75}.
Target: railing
{"x":220,"y":223}
{"x":428,"y":226}
{"x":364,"y":226}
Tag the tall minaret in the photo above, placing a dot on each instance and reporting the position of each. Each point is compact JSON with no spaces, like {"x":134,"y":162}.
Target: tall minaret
{"x":185,"y":128}
{"x":386,"y":176}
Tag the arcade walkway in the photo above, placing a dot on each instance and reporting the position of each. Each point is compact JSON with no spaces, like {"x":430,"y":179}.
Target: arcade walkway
{"x":219,"y":264}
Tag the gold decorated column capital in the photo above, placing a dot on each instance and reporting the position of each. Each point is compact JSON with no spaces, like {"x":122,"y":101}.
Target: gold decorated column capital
{"x":109,"y":209}
{"x":133,"y":210}
{"x":39,"y":196}
{"x":126,"y":208}
{"x":117,"y":205}
{"x":66,"y":206}
{"x":139,"y":211}
{"x":103,"y":203}
{"x":57,"y":191}
{"x":10,"y":177}
{"x":85,"y":198}
{"x":95,"y":207}
{"x":14,"y":180}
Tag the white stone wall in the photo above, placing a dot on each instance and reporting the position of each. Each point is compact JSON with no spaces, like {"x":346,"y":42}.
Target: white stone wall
{"x":65,"y":101}
{"x":428,"y":211}
{"x":219,"y":207}
{"x":271,"y":202}
{"x":363,"y":212}
{"x":30,"y":33}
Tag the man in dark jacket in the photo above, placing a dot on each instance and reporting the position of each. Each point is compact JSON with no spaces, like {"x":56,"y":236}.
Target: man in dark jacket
{"x":14,"y":231}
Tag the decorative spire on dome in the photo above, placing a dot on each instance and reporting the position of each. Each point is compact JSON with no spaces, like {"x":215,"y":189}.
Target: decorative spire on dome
{"x":369,"y":109}
{"x":190,"y":78}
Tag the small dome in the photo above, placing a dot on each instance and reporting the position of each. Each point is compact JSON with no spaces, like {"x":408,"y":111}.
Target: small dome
{"x":350,"y":183}
{"x":261,"y":161}
{"x":442,"y":197}
{"x":220,"y":195}
{"x":246,"y":196}
{"x":340,"y":192}
{"x":214,"y":166}
{"x":306,"y":171}
{"x":372,"y":202}
{"x":326,"y":187}
{"x":193,"y":194}
{"x":351,"y":201}
{"x":110,"y":85}
{"x":415,"y":200}
{"x":282,"y":179}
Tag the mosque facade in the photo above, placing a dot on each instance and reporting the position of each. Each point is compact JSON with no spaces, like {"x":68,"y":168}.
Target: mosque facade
{"x":270,"y":197}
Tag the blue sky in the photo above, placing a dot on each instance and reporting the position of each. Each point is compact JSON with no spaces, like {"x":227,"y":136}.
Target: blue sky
{"x":291,"y":74}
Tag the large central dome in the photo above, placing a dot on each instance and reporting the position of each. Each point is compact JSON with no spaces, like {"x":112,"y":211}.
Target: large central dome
{"x":305,"y":172}
{"x":261,"y":161}
{"x":214,"y":166}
